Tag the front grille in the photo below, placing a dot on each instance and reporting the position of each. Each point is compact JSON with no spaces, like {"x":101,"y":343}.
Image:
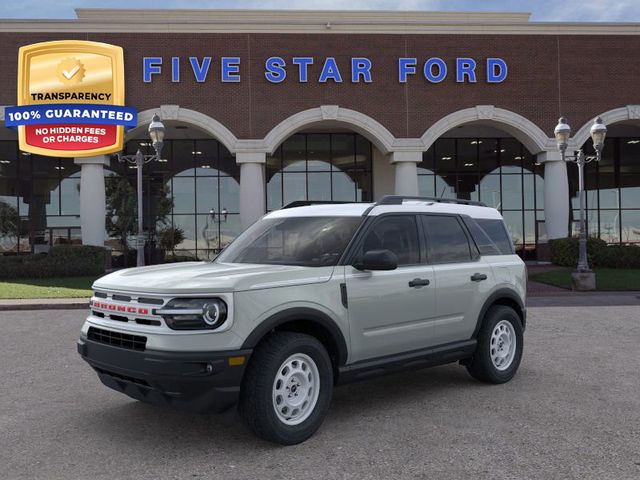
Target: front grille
{"x":117,"y":339}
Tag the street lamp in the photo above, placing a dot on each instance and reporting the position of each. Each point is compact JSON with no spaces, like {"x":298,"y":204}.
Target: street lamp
{"x":156,"y":133}
{"x":598,"y":133}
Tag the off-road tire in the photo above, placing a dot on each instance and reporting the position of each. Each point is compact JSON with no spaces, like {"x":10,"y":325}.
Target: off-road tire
{"x":481,"y":366}
{"x":256,"y":406}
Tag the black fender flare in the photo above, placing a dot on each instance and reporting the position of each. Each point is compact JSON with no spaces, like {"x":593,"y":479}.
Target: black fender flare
{"x":295,"y":314}
{"x":495,"y":297}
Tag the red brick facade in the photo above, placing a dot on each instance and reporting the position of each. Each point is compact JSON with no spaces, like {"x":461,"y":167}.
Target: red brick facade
{"x":577,"y":76}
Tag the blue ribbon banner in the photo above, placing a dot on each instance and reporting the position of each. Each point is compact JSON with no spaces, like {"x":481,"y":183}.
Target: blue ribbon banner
{"x":70,"y":113}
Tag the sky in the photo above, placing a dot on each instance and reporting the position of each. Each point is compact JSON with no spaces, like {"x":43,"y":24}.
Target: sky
{"x":542,"y":10}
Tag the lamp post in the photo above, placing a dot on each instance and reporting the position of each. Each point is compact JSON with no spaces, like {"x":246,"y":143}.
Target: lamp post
{"x":156,"y":133}
{"x":562,"y":133}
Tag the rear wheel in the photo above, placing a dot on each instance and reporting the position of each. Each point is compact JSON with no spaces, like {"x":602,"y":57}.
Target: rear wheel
{"x":287,"y":388}
{"x":499,"y":349}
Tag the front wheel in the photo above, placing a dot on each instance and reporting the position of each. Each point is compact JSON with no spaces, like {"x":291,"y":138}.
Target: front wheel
{"x":499,"y":349}
{"x":287,"y":388}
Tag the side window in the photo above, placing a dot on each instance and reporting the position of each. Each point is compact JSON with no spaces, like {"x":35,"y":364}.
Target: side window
{"x":497,"y":232}
{"x":398,"y":234}
{"x":484,"y":243}
{"x":447,"y":239}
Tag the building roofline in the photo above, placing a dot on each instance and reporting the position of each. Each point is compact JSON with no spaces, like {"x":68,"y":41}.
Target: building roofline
{"x":98,"y":20}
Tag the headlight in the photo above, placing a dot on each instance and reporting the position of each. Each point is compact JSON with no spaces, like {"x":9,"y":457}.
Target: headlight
{"x":194,"y":313}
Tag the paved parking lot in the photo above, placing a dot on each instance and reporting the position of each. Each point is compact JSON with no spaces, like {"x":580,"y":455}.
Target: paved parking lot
{"x":573,"y":411}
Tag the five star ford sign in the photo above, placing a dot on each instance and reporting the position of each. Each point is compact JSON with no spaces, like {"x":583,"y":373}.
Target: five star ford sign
{"x":70,"y":99}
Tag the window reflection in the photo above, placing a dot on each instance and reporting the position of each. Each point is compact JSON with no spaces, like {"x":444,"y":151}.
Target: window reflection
{"x":321,"y":167}
{"x":499,"y":172}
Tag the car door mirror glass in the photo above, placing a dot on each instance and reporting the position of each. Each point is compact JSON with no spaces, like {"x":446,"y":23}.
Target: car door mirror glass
{"x":377,"y":260}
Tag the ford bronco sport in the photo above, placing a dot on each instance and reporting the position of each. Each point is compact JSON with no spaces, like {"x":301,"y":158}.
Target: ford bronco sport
{"x":310,"y":297}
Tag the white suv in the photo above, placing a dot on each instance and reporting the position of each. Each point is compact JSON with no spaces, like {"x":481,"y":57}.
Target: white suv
{"x":309,"y":297}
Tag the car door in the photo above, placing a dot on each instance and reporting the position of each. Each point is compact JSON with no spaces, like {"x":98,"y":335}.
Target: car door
{"x":462,"y":278}
{"x":390,"y":311}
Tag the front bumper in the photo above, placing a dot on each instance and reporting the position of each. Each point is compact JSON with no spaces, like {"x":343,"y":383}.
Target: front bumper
{"x":193,"y":381}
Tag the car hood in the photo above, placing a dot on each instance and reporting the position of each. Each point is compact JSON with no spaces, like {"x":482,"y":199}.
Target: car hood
{"x":206,"y":277}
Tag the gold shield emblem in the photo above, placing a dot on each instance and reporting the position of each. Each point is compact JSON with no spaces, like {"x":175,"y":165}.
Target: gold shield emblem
{"x":71,"y":73}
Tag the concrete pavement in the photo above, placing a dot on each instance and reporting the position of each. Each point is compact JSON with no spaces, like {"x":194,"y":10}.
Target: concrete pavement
{"x":573,"y":411}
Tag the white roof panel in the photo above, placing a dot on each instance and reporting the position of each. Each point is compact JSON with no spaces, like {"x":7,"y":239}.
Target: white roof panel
{"x":357,"y":209}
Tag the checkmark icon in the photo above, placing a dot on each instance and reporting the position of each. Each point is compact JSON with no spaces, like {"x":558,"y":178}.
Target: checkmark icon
{"x":71,"y":73}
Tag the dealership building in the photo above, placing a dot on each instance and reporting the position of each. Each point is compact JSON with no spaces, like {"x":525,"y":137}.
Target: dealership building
{"x":263,"y":108}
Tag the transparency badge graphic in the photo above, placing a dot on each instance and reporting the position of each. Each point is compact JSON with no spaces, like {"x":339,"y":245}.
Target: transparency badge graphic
{"x":70,"y":99}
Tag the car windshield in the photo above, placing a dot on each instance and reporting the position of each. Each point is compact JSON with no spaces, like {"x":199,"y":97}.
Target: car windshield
{"x":304,"y":241}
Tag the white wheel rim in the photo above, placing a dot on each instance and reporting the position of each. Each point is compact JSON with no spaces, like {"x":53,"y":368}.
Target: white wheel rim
{"x":503,"y":345}
{"x":296,"y":389}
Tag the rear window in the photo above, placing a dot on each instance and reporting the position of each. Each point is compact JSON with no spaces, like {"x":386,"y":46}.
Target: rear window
{"x":497,"y":232}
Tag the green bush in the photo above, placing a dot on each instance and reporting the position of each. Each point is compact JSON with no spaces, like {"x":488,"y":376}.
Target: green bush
{"x":618,"y":256}
{"x":61,"y":261}
{"x":564,"y":252}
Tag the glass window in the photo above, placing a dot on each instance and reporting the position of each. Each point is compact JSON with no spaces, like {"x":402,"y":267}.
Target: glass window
{"x":512,"y":191}
{"x":490,"y":193}
{"x":294,"y":187}
{"x":274,"y":192}
{"x":321,"y":167}
{"x":511,"y":155}
{"x":467,"y":154}
{"x":188,"y":225}
{"x":206,"y":195}
{"x":630,"y":190}
{"x":426,"y":186}
{"x":343,"y":151}
{"x":426,"y":166}
{"x":481,"y":238}
{"x":294,"y":153}
{"x":206,"y":157}
{"x":488,"y":156}
{"x":183,"y":157}
{"x":319,"y":152}
{"x":445,"y":156}
{"x":229,"y":195}
{"x":631,"y":226}
{"x":183,"y":195}
{"x":610,"y":226}
{"x":304,"y":241}
{"x":8,"y":159}
{"x":513,"y":220}
{"x":496,"y":231}
{"x":70,"y":196}
{"x":363,"y":153}
{"x":319,"y":186}
{"x":343,"y":186}
{"x":448,"y":243}
{"x":399,"y":234}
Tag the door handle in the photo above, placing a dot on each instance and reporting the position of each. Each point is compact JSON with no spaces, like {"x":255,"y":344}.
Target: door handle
{"x":478,"y":277}
{"x":418,"y":282}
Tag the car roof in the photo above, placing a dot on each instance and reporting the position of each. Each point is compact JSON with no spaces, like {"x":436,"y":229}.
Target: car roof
{"x":373,"y":209}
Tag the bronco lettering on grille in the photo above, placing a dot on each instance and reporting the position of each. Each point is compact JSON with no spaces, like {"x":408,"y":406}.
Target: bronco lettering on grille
{"x":118,"y":308}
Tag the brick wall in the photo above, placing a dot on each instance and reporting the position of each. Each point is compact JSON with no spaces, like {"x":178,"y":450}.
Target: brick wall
{"x":578,"y":76}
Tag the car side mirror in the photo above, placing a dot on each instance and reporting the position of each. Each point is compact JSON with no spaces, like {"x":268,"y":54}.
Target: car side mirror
{"x":377,"y":260}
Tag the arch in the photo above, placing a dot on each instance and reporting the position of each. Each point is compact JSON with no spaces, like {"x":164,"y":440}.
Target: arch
{"x":527,"y":132}
{"x":616,"y":115}
{"x":197,"y":119}
{"x":374,"y":131}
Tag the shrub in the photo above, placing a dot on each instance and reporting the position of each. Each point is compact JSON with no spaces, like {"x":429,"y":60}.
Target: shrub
{"x":61,"y":261}
{"x":564,"y":252}
{"x":618,"y":256}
